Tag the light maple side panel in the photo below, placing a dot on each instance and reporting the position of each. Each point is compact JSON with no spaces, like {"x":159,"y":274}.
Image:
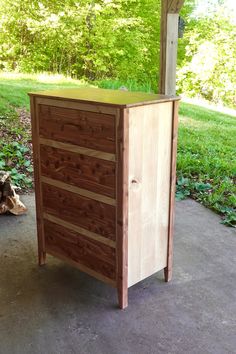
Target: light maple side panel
{"x":122,"y":206}
{"x":150,"y":133}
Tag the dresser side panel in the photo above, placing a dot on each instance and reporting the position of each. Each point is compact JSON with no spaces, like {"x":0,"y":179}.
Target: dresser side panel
{"x":150,"y":136}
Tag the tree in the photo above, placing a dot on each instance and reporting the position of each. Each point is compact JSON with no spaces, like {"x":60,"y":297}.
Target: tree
{"x":208,"y":67}
{"x":91,"y":39}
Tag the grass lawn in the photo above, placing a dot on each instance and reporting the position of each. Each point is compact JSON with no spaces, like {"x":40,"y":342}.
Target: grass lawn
{"x":206,"y":166}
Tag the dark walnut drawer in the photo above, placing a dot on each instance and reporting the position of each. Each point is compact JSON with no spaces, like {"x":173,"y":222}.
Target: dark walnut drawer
{"x":80,"y":170}
{"x":84,"y":251}
{"x":87,"y":129}
{"x":81,"y":211}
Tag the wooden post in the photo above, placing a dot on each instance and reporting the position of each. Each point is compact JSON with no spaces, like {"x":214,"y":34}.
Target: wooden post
{"x":167,"y":85}
{"x":169,"y":40}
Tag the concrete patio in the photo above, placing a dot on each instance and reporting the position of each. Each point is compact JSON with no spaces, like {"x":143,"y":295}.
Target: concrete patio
{"x":59,"y":310}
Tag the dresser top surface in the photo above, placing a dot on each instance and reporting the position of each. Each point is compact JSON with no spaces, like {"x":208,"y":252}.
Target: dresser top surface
{"x":117,"y":98}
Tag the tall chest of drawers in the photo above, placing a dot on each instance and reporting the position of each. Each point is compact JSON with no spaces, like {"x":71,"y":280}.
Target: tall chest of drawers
{"x":104,"y":165}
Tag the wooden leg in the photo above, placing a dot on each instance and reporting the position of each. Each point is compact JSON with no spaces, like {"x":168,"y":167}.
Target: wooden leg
{"x":42,"y":258}
{"x":168,"y":269}
{"x":168,"y":273}
{"x":122,"y":298}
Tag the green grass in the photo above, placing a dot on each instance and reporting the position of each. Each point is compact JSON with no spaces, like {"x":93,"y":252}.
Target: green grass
{"x":207,"y":156}
{"x":14,"y":88}
{"x":206,"y":165}
{"x":15,"y":136}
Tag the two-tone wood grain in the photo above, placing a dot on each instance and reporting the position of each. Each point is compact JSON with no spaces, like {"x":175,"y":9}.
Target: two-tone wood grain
{"x":68,"y":179}
{"x":122,"y":206}
{"x":38,"y":189}
{"x":85,"y":212}
{"x":105,"y":176}
{"x":89,"y":253}
{"x":77,"y":149}
{"x":80,"y":170}
{"x":169,"y":268}
{"x":86,"y":129}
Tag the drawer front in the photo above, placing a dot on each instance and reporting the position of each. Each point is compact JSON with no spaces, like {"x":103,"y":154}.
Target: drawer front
{"x":92,"y":215}
{"x":80,"y":170}
{"x":73,"y":246}
{"x":86,"y":129}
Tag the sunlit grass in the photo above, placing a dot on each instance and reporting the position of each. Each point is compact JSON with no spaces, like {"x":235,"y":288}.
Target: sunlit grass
{"x":206,"y":164}
{"x":14,"y":87}
{"x":207,"y":154}
{"x":39,"y":77}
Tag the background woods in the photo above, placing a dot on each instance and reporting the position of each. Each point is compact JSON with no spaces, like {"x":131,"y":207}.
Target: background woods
{"x":111,"y":43}
{"x":85,"y":39}
{"x":119,"y":39}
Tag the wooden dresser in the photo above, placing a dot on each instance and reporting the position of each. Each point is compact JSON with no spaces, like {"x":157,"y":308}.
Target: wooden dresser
{"x":104,"y":165}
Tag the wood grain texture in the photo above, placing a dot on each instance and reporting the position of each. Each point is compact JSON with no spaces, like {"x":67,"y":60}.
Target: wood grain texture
{"x":77,"y":190}
{"x":168,"y":269}
{"x":86,"y":129}
{"x":80,"y":230}
{"x":79,"y":170}
{"x":174,"y":6}
{"x":122,"y":206}
{"x":78,"y":149}
{"x":171,"y":53}
{"x":90,"y":253}
{"x":38,"y":190}
{"x":82,"y":268}
{"x":81,"y":211}
{"x":99,"y":97}
{"x":105,"y":178}
{"x":149,"y":189}
{"x":73,"y":104}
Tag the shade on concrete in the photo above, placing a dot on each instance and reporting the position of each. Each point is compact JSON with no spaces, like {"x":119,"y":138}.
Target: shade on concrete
{"x":57,"y":309}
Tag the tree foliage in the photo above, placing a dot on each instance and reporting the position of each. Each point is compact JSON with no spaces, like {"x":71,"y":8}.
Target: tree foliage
{"x":118,"y":39}
{"x":91,"y":39}
{"x":208,"y":68}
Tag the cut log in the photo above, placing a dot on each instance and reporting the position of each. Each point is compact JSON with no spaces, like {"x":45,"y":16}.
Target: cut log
{"x":9,"y":200}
